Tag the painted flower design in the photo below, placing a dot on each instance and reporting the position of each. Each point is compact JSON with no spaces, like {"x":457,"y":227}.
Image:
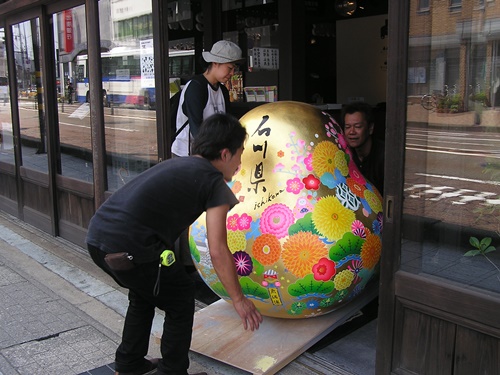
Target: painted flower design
{"x":301,"y":252}
{"x":341,"y":163}
{"x":331,"y":218}
{"x":324,"y":269}
{"x":311,"y":182}
{"x":343,"y":279}
{"x":243,"y":263}
{"x":236,"y":241}
{"x":373,"y":200}
{"x":355,"y":267}
{"x":244,"y":222}
{"x":308,"y":162}
{"x":278,"y":167}
{"x":266,"y":249}
{"x":232,"y":222}
{"x":294,"y":185}
{"x":371,"y":250}
{"x":276,"y":219}
{"x":358,"y":229}
{"x":280,"y":153}
{"x":323,"y":157}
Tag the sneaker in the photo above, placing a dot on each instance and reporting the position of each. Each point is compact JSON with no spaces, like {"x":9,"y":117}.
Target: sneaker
{"x":148,"y":368}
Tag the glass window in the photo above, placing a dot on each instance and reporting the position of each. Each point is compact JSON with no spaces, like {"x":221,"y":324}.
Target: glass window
{"x":6,"y":134}
{"x":451,"y":209}
{"x":70,"y":38}
{"x":128,"y":89}
{"x":423,"y":5}
{"x":29,"y":86}
{"x":455,"y":4}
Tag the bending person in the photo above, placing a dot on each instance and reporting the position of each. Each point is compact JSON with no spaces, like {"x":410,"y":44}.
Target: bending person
{"x":142,"y":219}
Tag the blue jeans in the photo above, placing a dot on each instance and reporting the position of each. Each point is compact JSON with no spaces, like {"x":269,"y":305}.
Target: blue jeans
{"x":175,"y":298}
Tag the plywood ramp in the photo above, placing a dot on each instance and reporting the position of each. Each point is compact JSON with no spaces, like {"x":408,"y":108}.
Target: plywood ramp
{"x":218,"y":333}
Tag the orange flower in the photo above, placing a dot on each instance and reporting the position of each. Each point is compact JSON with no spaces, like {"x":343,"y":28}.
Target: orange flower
{"x":301,"y":252}
{"x":371,"y":250}
{"x":266,"y":249}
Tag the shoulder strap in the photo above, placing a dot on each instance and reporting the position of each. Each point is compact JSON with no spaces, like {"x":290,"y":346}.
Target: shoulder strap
{"x":181,"y":128}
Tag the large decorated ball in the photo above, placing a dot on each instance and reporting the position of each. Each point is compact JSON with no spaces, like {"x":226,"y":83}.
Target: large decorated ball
{"x":306,"y":235}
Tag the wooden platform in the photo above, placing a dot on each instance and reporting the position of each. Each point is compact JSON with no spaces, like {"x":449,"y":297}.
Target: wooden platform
{"x":219,"y":334}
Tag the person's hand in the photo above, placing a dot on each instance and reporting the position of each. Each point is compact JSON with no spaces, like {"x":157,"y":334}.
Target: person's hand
{"x":249,"y":315}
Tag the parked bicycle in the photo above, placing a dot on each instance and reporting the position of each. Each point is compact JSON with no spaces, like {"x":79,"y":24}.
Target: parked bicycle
{"x":431,"y":101}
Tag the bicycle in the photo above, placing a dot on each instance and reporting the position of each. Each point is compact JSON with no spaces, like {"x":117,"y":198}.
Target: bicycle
{"x":431,"y":101}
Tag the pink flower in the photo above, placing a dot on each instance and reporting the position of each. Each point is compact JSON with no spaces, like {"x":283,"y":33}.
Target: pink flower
{"x":244,"y":222}
{"x":232,"y":222}
{"x":358,"y":229}
{"x":311,"y":182}
{"x":243,"y":263}
{"x":294,"y":185}
{"x":324,"y":269}
{"x":308,"y":162}
{"x":276,"y":219}
{"x":278,"y":167}
{"x":301,"y":143}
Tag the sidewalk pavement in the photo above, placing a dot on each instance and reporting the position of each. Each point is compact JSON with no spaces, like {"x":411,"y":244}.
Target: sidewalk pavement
{"x":61,"y":315}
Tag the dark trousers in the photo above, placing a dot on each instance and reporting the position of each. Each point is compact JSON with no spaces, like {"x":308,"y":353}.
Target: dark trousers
{"x":175,"y":298}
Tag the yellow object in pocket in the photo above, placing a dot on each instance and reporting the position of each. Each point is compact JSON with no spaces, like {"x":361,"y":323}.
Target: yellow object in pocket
{"x":167,"y":258}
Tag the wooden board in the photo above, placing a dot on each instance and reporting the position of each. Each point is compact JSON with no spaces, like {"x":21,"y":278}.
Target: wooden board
{"x":218,"y":333}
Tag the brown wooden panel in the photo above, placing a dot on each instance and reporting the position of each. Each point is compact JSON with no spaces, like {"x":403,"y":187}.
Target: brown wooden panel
{"x":74,"y":208}
{"x":423,"y":344}
{"x":465,"y":307}
{"x":476,"y":353}
{"x":8,"y":187}
{"x":36,"y":197}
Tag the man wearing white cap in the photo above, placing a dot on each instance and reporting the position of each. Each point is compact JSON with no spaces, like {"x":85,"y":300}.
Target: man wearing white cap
{"x":205,"y":94}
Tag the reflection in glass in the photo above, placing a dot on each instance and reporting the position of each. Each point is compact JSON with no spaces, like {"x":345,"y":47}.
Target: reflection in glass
{"x":70,"y":38}
{"x":29,"y":86}
{"x":6,"y":134}
{"x":452,"y":163}
{"x":128,"y":89}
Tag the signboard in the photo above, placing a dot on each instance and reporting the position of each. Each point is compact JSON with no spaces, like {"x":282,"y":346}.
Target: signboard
{"x":68,"y":31}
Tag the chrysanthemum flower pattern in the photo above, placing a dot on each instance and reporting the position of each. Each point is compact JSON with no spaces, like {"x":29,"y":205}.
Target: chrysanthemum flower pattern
{"x":266,"y":249}
{"x":323,"y":158}
{"x":276,"y":219}
{"x":301,"y":252}
{"x":331,"y":218}
{"x":371,"y":251}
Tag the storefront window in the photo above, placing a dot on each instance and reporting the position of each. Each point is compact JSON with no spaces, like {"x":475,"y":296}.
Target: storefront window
{"x":6,"y":134}
{"x":70,"y":38}
{"x":128,"y":88}
{"x":30,"y":90}
{"x":451,"y":209}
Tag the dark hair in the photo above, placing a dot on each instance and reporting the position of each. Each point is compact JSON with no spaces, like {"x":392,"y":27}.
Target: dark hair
{"x":216,"y":133}
{"x":364,"y":108}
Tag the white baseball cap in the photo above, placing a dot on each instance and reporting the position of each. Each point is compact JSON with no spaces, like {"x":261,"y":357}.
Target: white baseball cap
{"x":223,"y":51}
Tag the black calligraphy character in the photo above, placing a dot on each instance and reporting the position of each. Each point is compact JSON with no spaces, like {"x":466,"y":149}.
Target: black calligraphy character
{"x":267,"y":131}
{"x":261,"y":148}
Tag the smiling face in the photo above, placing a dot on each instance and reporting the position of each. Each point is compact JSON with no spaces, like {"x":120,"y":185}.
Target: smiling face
{"x":356,"y":130}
